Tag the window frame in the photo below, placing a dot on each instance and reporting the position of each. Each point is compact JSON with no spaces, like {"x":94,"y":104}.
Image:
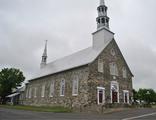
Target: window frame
{"x":124,"y":72}
{"x":35,"y":92}
{"x":62,"y":87}
{"x":43,"y":91}
{"x":52,"y":89}
{"x":100,"y":65}
{"x":75,"y":84}
{"x":113,"y":69}
{"x":103,"y":95}
{"x":128,"y":99}
{"x":30,"y":93}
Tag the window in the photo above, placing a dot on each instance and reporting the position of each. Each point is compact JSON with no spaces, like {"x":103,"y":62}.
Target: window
{"x":124,"y":72}
{"x":113,"y":69}
{"x":35,"y":92}
{"x":27,"y":93}
{"x":102,"y":9}
{"x":98,"y":20}
{"x":100,"y":65}
{"x":126,"y":96}
{"x":30,"y":90}
{"x":75,"y":86}
{"x":103,"y":20}
{"x":62,"y":88}
{"x":100,"y":95}
{"x":51,"y":93}
{"x":43,"y":91}
{"x":112,"y":52}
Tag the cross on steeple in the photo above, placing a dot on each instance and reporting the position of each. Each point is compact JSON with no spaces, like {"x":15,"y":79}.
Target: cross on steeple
{"x":102,"y":19}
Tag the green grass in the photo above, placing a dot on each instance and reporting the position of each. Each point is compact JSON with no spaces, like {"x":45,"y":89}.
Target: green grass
{"x":56,"y":109}
{"x":153,"y":106}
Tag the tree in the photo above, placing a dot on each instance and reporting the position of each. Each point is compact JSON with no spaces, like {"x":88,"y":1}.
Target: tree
{"x":135,"y":95}
{"x":9,"y":79}
{"x":147,"y":95}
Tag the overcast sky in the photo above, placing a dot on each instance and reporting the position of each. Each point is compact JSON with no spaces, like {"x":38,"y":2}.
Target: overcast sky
{"x":68,"y":24}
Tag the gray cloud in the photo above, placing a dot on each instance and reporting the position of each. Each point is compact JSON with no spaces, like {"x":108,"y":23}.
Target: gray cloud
{"x":68,"y":24}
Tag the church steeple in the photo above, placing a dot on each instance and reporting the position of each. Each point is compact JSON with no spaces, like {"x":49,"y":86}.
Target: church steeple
{"x":102,"y":2}
{"x":102,"y":19}
{"x":44,"y":56}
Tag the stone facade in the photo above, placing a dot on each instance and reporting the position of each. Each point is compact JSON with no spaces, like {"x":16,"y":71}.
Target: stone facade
{"x":68,"y":100}
{"x":104,"y":78}
{"x":89,"y":79}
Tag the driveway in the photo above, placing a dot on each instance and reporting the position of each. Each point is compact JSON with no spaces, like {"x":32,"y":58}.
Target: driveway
{"x":134,"y":114}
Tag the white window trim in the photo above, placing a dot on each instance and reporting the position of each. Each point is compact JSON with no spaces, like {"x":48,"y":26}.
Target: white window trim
{"x":117,"y":84}
{"x":43,"y":91}
{"x":73,"y":86}
{"x":61,"y":87}
{"x":124,"y":92}
{"x":98,"y":90}
{"x":52,"y":89}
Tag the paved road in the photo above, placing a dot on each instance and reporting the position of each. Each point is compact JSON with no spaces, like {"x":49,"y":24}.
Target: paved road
{"x":135,"y":114}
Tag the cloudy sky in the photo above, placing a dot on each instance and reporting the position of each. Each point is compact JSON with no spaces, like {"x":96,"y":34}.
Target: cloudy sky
{"x":68,"y":24}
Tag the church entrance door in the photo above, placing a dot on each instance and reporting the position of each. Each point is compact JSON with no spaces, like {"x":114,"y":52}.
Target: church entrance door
{"x":114,"y":97}
{"x":114,"y":92}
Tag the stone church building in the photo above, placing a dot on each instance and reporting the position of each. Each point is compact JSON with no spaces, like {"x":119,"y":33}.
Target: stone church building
{"x":92,"y":78}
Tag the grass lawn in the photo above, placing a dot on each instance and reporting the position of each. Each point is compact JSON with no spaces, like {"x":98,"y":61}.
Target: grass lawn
{"x":55,"y":109}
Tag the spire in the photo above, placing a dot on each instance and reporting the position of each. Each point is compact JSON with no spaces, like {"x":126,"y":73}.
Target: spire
{"x":45,"y":49}
{"x":102,"y":19}
{"x":102,"y":2}
{"x":44,"y":56}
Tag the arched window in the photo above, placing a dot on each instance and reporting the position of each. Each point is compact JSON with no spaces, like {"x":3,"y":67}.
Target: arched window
{"x":103,"y":20}
{"x":113,"y":69}
{"x":62,"y":87}
{"x":102,"y":9}
{"x":51,"y":92}
{"x":30,"y":92}
{"x":124,"y":72}
{"x":43,"y":91}
{"x":35,"y":92}
{"x":100,"y":65}
{"x":75,"y":86}
{"x":99,"y":21}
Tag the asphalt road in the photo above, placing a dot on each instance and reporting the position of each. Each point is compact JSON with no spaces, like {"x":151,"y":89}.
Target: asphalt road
{"x":134,"y":114}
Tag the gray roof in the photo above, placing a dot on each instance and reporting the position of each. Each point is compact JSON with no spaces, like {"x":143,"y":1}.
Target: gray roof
{"x":77,"y":59}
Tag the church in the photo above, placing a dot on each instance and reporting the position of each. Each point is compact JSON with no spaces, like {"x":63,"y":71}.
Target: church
{"x":91,"y":79}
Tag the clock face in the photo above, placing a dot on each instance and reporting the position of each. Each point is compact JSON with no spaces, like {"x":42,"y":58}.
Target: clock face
{"x":112,"y":52}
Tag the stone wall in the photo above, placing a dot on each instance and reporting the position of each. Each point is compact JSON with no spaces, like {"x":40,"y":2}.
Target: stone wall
{"x":68,"y":100}
{"x":104,"y":79}
{"x":89,"y":80}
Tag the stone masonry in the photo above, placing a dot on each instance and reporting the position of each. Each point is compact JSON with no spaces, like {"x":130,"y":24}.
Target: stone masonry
{"x":89,"y":79}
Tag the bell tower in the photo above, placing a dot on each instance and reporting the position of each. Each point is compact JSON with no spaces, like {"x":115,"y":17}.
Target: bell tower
{"x":102,"y":19}
{"x":102,"y":36}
